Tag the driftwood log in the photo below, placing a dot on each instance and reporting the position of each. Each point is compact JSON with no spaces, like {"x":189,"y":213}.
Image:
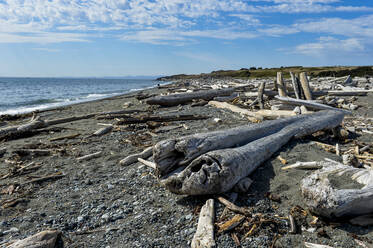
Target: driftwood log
{"x":176,"y":99}
{"x":339,"y":191}
{"x":305,"y":86}
{"x":308,"y":104}
{"x":167,"y":118}
{"x":281,"y":85}
{"x":204,"y":236}
{"x":295,"y":83}
{"x":199,"y":164}
{"x":134,"y":157}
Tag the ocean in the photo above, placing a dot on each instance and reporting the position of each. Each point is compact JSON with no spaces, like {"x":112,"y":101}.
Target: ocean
{"x":23,"y":95}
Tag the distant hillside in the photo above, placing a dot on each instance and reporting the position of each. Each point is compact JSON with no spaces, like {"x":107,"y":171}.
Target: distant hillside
{"x":337,"y":71}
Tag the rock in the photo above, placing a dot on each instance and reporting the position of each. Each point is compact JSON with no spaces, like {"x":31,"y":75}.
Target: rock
{"x":353,"y":106}
{"x":11,"y":230}
{"x":297,"y":110}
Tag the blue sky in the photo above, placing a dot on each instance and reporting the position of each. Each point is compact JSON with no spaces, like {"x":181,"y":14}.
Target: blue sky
{"x":162,"y":37}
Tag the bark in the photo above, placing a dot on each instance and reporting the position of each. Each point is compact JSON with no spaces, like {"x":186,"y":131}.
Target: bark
{"x":281,"y":85}
{"x":260,"y":95}
{"x":305,"y":86}
{"x":295,"y":85}
{"x":220,"y":170}
{"x":45,"y":239}
{"x":204,"y":236}
{"x":176,"y":152}
{"x":309,"y":104}
{"x":353,"y":196}
{"x":176,"y":99}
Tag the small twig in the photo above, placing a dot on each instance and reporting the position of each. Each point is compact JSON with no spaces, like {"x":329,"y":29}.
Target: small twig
{"x":234,"y":207}
{"x":147,"y":163}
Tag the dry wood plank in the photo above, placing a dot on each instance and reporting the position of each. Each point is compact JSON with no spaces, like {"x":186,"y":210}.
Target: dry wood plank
{"x":176,"y":99}
{"x":204,"y":236}
{"x":305,"y":86}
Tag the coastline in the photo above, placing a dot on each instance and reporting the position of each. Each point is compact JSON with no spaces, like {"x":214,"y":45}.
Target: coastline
{"x":101,"y":203}
{"x":38,"y":109}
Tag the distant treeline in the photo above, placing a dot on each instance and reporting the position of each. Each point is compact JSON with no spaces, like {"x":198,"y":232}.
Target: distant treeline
{"x":253,"y":72}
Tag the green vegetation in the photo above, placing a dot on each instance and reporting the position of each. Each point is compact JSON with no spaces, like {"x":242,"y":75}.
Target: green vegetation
{"x":253,"y":72}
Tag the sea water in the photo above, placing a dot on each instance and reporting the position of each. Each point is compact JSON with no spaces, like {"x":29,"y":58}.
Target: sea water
{"x":23,"y":95}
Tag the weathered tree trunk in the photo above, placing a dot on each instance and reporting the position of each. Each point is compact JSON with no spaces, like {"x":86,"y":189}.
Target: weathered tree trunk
{"x":260,"y":94}
{"x":308,"y":104}
{"x":204,"y":236}
{"x":338,"y":190}
{"x":295,"y":85}
{"x":175,"y":152}
{"x":305,"y":86}
{"x":281,"y":85}
{"x":218,"y":171}
{"x":176,"y":99}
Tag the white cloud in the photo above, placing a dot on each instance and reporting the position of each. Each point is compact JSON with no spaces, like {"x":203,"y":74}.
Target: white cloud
{"x":327,"y":45}
{"x":137,"y":20}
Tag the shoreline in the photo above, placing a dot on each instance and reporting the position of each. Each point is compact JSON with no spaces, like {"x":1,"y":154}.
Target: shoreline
{"x":51,"y":108}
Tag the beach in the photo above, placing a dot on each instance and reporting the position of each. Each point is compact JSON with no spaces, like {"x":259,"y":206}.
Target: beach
{"x":99,"y":203}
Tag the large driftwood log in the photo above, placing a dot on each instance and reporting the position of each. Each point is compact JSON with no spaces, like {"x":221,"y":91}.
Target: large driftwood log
{"x":281,"y":85}
{"x":308,"y":104}
{"x":176,"y":152}
{"x":305,"y":86}
{"x":45,"y":239}
{"x":204,"y":236}
{"x":219,"y":170}
{"x":176,"y":99}
{"x":338,"y":190}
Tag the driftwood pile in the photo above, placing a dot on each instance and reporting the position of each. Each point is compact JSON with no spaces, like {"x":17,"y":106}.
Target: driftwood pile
{"x":221,"y":161}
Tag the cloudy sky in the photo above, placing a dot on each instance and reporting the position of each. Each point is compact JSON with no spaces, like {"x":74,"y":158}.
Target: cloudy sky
{"x":161,"y":37}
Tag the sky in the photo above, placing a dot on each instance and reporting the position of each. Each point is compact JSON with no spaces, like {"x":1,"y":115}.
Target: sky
{"x":98,"y":38}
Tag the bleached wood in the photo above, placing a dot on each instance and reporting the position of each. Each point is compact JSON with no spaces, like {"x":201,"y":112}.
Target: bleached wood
{"x":147,"y":163}
{"x":252,"y":116}
{"x":176,"y":99}
{"x":180,"y":151}
{"x":103,"y":130}
{"x":281,"y":85}
{"x":305,"y":86}
{"x":312,"y":245}
{"x":309,"y":104}
{"x":44,"y":239}
{"x":133,"y":158}
{"x":295,"y":85}
{"x":219,"y":170}
{"x":303,"y":165}
{"x":90,"y":156}
{"x":324,"y":199}
{"x":204,"y":236}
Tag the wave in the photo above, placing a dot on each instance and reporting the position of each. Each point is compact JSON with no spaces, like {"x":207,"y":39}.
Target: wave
{"x":45,"y":104}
